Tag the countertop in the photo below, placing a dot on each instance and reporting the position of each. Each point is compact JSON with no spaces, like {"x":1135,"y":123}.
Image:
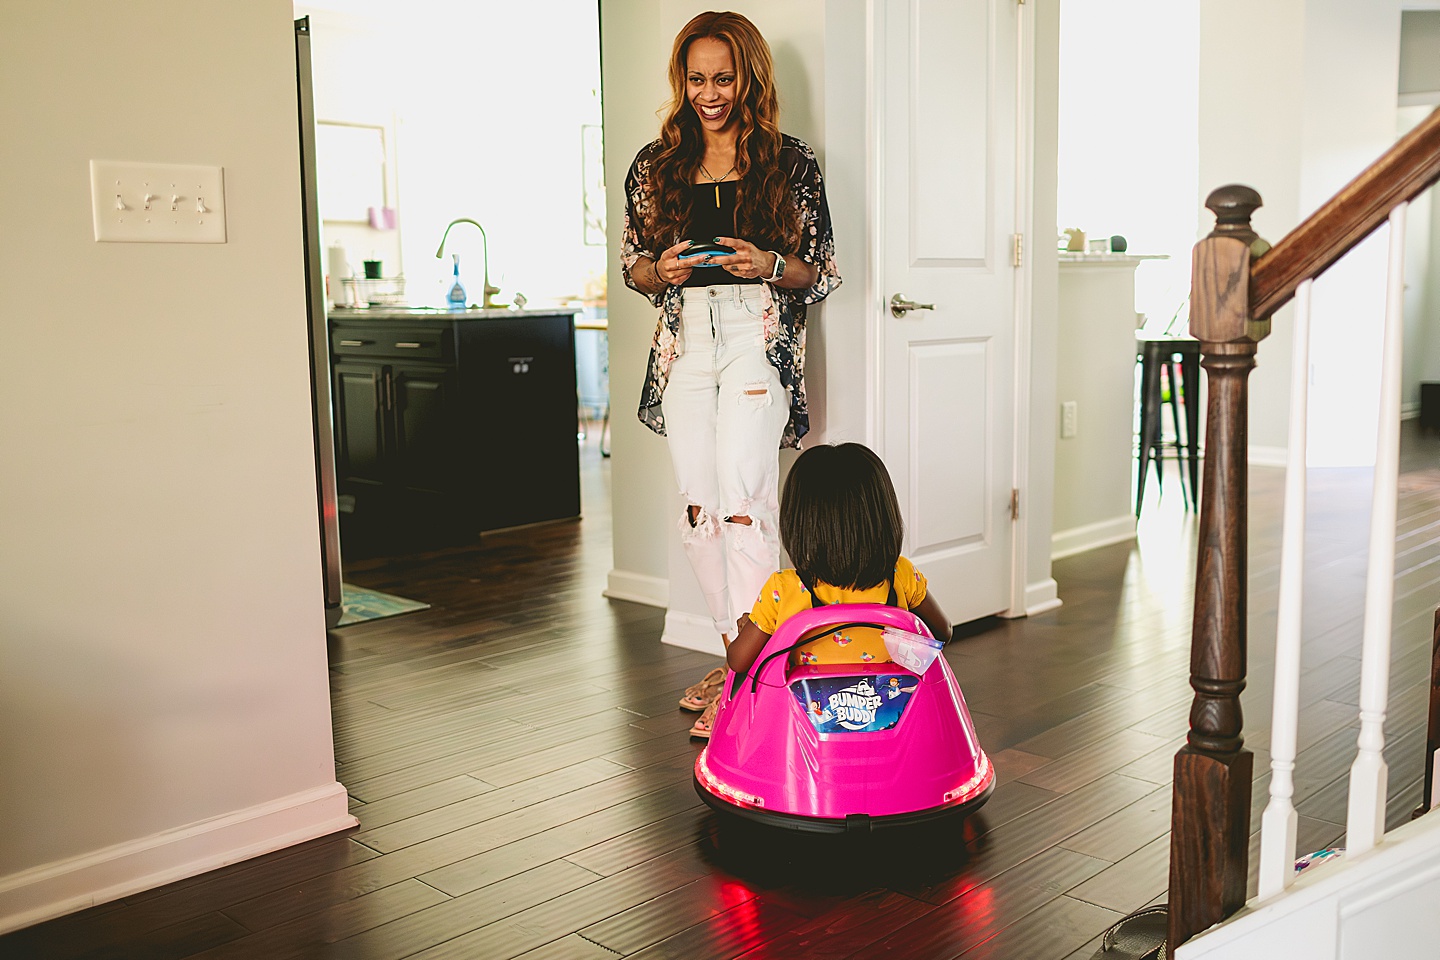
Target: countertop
{"x":442,"y":313}
{"x":1069,"y":258}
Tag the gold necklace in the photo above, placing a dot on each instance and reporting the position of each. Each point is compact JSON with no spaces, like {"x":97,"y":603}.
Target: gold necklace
{"x":716,"y":181}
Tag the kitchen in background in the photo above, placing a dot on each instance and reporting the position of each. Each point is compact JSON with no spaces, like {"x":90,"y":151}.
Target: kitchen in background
{"x":422,"y":116}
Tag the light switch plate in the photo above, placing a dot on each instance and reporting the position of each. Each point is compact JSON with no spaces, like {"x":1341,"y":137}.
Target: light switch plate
{"x":1069,"y":420}
{"x":157,"y":202}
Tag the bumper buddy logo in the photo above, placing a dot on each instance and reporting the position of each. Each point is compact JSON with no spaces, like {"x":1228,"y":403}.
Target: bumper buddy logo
{"x":854,"y":707}
{"x":863,"y":704}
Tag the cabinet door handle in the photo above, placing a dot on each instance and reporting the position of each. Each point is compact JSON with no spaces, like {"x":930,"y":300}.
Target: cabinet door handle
{"x":353,"y":343}
{"x":408,"y":345}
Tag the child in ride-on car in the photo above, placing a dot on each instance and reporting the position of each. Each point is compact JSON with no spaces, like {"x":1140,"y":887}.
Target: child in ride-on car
{"x":840,"y":523}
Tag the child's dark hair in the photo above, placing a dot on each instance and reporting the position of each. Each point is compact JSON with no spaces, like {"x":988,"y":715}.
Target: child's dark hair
{"x":839,"y":517}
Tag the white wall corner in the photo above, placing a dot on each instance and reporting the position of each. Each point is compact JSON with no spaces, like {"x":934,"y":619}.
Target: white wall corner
{"x":1042,"y":597}
{"x":54,"y":889}
{"x":693,"y":632}
{"x":638,"y":588}
{"x":1067,"y":543}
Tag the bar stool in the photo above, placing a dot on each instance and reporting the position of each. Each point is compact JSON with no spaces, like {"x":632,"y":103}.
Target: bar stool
{"x":1159,"y":355}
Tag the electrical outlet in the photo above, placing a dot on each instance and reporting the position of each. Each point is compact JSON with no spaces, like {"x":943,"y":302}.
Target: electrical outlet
{"x":157,"y":202}
{"x":1069,"y":417}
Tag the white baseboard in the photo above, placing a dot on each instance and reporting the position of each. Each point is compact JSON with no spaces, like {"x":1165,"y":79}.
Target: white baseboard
{"x":1268,"y":456}
{"x":1042,"y":597}
{"x":693,"y":632}
{"x":638,"y":588}
{"x":55,"y":889}
{"x":1410,"y":410}
{"x":1067,"y":543}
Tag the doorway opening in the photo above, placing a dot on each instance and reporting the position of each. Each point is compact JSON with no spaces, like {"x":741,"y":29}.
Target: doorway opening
{"x":450,"y":418}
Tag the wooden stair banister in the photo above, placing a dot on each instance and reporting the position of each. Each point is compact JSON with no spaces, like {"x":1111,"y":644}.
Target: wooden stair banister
{"x":1402,"y":173}
{"x":1210,"y":813}
{"x":1432,"y":727}
{"x":1238,"y":284}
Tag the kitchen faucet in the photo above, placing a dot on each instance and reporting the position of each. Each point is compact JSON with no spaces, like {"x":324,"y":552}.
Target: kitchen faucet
{"x":489,"y":291}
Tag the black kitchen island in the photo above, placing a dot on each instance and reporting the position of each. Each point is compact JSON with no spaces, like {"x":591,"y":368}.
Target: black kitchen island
{"x":448,"y":424}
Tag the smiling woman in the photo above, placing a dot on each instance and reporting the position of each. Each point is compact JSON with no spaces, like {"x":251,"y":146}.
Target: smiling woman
{"x":725,"y":381}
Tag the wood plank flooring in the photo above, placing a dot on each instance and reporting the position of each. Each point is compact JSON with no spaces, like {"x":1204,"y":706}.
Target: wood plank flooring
{"x":522,"y":775}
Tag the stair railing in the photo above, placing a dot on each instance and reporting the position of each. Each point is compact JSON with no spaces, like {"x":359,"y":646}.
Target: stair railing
{"x":1238,"y":283}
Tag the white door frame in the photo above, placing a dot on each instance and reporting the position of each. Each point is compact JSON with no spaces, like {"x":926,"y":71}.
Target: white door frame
{"x":851,"y":34}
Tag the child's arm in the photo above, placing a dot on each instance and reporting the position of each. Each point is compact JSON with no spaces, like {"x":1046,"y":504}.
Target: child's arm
{"x":747,"y":646}
{"x":929,"y":611}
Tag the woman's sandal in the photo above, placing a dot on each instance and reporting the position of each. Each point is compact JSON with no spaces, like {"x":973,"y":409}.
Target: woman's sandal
{"x":700,"y":695}
{"x":702,"y":726}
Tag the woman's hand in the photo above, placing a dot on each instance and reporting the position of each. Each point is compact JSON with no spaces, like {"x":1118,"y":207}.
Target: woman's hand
{"x":748,"y":261}
{"x":670,"y":269}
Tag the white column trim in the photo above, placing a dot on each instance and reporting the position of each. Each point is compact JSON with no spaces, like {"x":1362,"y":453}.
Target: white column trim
{"x":1024,"y":283}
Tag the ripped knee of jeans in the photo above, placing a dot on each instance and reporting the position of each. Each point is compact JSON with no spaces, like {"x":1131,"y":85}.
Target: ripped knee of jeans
{"x":746,"y":522}
{"x":697,"y":523}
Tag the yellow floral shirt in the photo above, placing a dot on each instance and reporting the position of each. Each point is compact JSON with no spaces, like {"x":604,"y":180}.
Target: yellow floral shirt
{"x":784,"y":595}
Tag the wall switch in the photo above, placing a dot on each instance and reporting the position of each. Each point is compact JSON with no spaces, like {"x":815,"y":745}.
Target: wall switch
{"x":1069,"y":417}
{"x":157,"y":202}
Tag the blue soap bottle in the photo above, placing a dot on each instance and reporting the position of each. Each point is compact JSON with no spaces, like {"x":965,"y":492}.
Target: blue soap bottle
{"x":456,"y":297}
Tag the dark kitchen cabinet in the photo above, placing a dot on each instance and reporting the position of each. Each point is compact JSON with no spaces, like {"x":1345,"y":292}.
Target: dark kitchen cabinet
{"x":450,"y":426}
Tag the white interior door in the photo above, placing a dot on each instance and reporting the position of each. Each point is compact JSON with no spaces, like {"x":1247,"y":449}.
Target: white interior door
{"x":947,"y":161}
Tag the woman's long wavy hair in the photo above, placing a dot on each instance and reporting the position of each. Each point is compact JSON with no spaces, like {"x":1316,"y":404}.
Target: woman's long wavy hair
{"x":766,"y":214}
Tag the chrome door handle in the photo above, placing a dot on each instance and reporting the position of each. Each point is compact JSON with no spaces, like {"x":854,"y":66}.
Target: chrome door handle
{"x":407,"y":345}
{"x":899,"y":306}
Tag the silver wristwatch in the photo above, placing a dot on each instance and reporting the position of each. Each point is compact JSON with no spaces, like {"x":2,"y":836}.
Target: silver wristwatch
{"x":779,"y":268}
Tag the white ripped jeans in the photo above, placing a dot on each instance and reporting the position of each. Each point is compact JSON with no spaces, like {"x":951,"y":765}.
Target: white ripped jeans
{"x":725,"y":411}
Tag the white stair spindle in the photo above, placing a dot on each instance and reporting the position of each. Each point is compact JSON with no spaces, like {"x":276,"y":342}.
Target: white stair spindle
{"x":1365,"y":819}
{"x":1277,"y":825}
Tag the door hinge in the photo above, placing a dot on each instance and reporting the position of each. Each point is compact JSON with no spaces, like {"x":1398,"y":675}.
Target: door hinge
{"x":1014,"y":504}
{"x":1017,"y":246}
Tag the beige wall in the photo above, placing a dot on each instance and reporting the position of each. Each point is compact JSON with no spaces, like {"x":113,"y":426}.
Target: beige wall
{"x":163,"y":680}
{"x":1419,"y":38}
{"x":1276,"y":113}
{"x":1093,"y":469}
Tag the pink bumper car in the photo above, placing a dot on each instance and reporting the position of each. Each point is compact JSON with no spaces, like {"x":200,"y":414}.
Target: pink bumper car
{"x":845,"y":747}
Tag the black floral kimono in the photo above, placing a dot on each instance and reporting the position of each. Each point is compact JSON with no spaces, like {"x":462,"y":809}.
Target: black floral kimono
{"x":784,"y":326}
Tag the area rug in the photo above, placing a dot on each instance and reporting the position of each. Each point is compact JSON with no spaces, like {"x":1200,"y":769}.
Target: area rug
{"x":358,"y":605}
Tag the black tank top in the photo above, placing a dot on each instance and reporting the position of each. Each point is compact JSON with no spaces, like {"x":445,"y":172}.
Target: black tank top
{"x":709,"y":218}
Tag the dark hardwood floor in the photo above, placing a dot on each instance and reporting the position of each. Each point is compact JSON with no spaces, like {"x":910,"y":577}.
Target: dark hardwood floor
{"x":522,"y":775}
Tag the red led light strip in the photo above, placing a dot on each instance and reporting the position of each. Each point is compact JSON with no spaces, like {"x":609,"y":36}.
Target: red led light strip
{"x":724,"y":790}
{"x":974,"y":785}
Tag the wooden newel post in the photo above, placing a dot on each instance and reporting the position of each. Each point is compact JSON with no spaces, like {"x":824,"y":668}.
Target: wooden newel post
{"x":1210,"y":817}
